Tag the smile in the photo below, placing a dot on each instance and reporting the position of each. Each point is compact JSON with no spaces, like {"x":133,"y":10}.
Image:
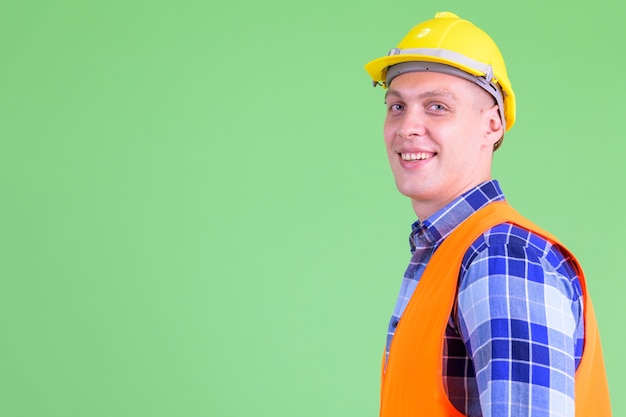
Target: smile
{"x":417,"y":156}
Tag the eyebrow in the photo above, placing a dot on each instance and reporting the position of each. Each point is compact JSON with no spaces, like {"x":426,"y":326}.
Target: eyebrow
{"x":425,"y":94}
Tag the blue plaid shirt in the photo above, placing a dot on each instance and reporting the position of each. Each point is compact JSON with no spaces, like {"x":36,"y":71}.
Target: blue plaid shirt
{"x":514,"y":344}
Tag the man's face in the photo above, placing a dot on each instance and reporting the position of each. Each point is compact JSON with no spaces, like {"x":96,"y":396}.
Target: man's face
{"x":439,"y":137}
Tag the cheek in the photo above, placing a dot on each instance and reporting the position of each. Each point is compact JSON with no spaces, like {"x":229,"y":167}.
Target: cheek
{"x":389,"y":133}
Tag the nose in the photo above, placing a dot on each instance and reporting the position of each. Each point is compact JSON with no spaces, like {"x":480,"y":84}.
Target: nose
{"x":412,"y":124}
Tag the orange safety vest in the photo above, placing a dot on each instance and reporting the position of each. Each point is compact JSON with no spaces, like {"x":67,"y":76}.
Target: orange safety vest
{"x":412,"y":381}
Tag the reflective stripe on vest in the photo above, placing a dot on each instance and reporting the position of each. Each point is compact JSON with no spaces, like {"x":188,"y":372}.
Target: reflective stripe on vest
{"x":412,"y":382}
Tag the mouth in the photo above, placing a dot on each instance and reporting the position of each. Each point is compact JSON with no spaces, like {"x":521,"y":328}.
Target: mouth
{"x":416,"y":156}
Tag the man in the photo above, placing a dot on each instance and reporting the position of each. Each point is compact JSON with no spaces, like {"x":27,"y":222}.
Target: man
{"x":493,"y":318}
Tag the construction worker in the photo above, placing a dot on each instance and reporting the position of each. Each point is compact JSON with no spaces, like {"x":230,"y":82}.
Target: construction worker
{"x":493,"y":317}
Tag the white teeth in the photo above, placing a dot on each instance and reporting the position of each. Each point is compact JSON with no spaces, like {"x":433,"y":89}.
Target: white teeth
{"x":418,"y":156}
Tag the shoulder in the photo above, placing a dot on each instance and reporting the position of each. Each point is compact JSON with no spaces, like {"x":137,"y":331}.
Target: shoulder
{"x":509,"y":256}
{"x":513,"y":276}
{"x":507,"y":243}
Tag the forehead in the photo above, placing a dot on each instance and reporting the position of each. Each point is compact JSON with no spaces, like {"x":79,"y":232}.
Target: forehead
{"x":432,"y":83}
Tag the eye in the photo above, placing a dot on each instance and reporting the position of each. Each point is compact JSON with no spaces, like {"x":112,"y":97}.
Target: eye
{"x":395,"y":107}
{"x":437,"y":107}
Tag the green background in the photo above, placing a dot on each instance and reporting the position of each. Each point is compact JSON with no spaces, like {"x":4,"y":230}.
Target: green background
{"x":197,"y":214}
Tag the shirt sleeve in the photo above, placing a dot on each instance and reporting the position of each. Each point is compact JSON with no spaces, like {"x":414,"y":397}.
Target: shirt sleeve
{"x":518,"y":320}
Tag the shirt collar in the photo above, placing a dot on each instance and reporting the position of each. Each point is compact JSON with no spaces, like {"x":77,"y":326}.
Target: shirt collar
{"x":434,"y":229}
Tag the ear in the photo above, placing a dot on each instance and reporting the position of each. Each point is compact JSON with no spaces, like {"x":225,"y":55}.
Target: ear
{"x":494,"y":130}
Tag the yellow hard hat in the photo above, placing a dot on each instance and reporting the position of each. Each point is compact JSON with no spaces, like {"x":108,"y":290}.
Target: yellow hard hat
{"x":451,"y":45}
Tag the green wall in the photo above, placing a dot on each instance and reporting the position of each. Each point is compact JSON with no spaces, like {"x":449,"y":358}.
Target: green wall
{"x":197,"y":214}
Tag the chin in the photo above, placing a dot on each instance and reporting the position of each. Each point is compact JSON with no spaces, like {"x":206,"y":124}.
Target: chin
{"x":422,"y":192}
{"x":413,"y":193}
